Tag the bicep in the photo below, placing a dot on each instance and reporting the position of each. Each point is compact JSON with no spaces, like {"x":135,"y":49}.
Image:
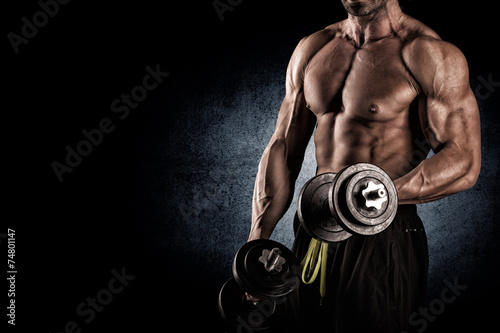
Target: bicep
{"x":448,"y":110}
{"x":451,"y":120}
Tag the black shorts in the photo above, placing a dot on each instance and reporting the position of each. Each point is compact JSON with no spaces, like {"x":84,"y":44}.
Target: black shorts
{"x":374,"y":283}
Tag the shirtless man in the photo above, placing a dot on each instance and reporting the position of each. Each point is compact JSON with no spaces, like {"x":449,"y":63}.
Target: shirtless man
{"x":380,"y":87}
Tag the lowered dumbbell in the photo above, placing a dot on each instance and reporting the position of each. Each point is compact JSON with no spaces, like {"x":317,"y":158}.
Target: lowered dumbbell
{"x":266,"y":270}
{"x":361,"y":199}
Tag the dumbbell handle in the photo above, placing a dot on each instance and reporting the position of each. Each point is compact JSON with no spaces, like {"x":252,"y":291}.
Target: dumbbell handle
{"x":375,"y":195}
{"x":272,"y":260}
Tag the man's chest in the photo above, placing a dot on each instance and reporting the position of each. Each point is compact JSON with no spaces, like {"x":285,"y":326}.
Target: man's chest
{"x":367,"y":82}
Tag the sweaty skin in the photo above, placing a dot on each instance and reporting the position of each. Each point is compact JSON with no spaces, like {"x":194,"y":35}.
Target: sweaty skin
{"x":379,"y":87}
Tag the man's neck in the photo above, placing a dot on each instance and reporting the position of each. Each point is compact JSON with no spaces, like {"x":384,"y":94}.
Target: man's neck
{"x":377,"y":25}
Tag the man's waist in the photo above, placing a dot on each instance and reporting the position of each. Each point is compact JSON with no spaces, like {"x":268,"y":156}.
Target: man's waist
{"x":407,"y":210}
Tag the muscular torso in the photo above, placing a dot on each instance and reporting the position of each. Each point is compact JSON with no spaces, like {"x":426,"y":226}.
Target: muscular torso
{"x":366,"y":104}
{"x":382,"y":95}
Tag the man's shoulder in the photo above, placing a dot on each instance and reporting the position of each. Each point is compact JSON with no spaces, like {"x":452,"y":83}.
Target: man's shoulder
{"x":428,"y":57}
{"x":412,"y":29}
{"x":311,"y":44}
{"x":420,"y":40}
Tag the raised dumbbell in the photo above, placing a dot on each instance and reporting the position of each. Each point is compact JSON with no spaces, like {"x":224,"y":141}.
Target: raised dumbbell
{"x":361,"y":199}
{"x":266,"y":270}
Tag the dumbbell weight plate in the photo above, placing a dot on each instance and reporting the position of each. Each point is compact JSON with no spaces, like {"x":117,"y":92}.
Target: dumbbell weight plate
{"x":237,"y":310}
{"x":251,"y":275}
{"x":346,"y":199}
{"x":314,"y":213}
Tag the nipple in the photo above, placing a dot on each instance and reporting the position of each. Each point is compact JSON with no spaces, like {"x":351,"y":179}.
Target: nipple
{"x":373,"y":108}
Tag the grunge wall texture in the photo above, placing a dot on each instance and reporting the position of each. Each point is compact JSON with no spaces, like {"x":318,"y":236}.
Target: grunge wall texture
{"x":166,"y":197}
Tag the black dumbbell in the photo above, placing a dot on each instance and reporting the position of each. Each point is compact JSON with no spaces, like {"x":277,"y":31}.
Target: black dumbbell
{"x":266,"y":270}
{"x":361,"y":199}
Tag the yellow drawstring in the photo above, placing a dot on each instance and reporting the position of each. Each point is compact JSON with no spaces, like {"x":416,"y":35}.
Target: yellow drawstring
{"x":316,"y":256}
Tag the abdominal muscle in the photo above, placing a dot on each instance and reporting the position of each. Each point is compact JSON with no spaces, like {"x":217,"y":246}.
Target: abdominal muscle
{"x":342,"y":140}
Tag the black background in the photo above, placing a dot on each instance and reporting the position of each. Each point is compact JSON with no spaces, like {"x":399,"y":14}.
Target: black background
{"x":70,"y":235}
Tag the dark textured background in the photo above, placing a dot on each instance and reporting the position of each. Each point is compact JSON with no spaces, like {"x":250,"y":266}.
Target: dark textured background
{"x":167,"y":195}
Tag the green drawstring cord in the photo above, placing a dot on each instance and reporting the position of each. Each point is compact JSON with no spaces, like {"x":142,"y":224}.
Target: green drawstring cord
{"x":316,"y":256}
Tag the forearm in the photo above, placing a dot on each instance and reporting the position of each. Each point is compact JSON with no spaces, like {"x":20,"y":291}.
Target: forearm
{"x":268,"y":210}
{"x":273,"y":193}
{"x":282,"y":160}
{"x":448,"y":172}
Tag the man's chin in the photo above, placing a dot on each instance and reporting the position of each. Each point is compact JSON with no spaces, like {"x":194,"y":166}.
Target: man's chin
{"x":358,"y":9}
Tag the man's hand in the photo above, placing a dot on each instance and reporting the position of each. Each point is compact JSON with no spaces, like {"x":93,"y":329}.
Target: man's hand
{"x":251,"y":298}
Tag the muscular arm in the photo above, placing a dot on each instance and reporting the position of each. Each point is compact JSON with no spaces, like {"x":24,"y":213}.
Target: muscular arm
{"x":449,"y":118}
{"x":282,"y":159}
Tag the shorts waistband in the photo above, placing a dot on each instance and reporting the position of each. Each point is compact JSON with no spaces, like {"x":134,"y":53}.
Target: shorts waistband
{"x":407,"y":210}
